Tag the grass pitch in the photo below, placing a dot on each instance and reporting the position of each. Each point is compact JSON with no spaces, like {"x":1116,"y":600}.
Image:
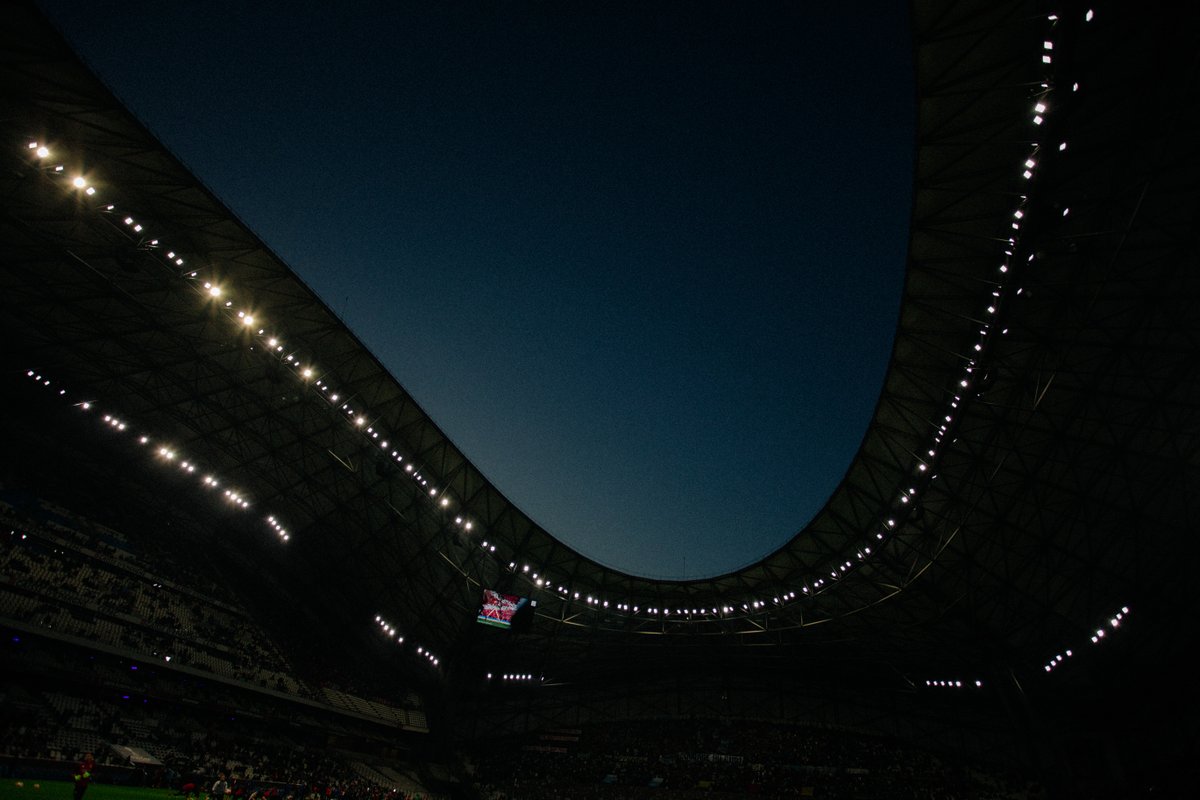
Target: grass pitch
{"x":64,"y":790}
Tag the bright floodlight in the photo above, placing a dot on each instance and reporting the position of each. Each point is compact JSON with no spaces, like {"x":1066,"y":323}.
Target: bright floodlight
{"x":43,"y":151}
{"x":215,"y":291}
{"x":79,"y":183}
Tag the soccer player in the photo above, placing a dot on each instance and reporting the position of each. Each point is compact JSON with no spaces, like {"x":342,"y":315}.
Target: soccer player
{"x":83,"y":775}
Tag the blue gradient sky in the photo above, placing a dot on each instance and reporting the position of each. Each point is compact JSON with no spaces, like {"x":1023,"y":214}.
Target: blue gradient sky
{"x":641,"y":263}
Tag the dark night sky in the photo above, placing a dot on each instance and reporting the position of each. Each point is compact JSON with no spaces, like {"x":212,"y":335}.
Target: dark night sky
{"x":641,"y":263}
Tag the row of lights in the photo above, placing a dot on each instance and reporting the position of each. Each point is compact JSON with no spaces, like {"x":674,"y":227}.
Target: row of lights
{"x":908,"y":496}
{"x":165,"y":453}
{"x":953,"y":684}
{"x":307,"y":372}
{"x":1100,"y":634}
{"x":391,"y":633}
{"x":514,"y":677}
{"x":359,"y":418}
{"x":1114,"y":623}
{"x":304,"y":370}
{"x":388,"y":629}
{"x":905,"y":499}
{"x":247,"y":318}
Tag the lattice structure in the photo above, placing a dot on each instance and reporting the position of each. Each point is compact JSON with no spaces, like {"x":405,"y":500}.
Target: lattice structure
{"x":1031,"y":465}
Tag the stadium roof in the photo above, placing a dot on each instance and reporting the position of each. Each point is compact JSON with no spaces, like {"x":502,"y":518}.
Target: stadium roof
{"x":1030,"y":469}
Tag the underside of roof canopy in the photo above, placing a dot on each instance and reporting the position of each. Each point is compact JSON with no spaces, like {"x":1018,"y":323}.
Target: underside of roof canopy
{"x":1030,"y":469}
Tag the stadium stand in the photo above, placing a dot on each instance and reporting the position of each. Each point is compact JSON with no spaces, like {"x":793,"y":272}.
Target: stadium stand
{"x":999,"y":588}
{"x":188,"y":731}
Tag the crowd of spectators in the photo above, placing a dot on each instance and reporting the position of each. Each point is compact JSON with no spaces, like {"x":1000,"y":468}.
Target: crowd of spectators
{"x":173,"y":667}
{"x":67,"y":577}
{"x":65,"y":573}
{"x":179,"y":747}
{"x":672,"y":760}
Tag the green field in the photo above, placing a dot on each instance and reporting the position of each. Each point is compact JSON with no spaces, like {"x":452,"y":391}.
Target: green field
{"x":63,"y":790}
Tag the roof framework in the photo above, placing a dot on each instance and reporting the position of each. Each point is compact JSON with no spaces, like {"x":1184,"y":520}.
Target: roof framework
{"x":1046,"y":449}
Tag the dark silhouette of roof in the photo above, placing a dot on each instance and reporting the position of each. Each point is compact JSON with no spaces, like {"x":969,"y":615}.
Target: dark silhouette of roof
{"x":1031,"y":468}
